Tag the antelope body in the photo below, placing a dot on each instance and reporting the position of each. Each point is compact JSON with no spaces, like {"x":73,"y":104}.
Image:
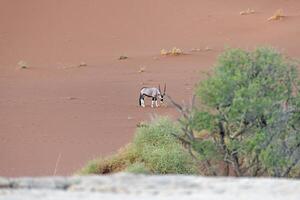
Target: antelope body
{"x":151,"y":92}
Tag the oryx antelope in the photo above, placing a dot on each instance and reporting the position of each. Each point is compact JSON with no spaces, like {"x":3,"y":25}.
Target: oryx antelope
{"x":153,"y":93}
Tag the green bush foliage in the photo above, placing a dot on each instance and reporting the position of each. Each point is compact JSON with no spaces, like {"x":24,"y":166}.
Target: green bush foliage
{"x":160,"y":151}
{"x":92,"y":167}
{"x":138,"y":168}
{"x":250,"y":107}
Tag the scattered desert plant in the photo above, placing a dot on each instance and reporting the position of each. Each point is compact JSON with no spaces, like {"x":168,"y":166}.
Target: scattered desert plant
{"x":173,"y":52}
{"x":142,"y":124}
{"x":277,"y":15}
{"x":142,"y":69}
{"x":82,"y":64}
{"x":208,"y":49}
{"x":123,"y":57}
{"x":164,"y":52}
{"x":198,"y":49}
{"x":195,"y":50}
{"x":22,"y":64}
{"x":247,"y":12}
{"x":249,"y":116}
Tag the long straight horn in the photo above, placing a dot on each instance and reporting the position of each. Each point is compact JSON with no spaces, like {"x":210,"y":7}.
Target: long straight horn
{"x":165,"y":88}
{"x":159,"y":88}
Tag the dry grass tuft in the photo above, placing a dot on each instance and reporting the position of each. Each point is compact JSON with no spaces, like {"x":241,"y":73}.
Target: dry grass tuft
{"x":142,"y":124}
{"x":278,"y":15}
{"x":199,"y":50}
{"x":173,"y":52}
{"x":22,"y":64}
{"x":142,"y":69}
{"x":208,"y":49}
{"x":164,"y":52}
{"x":111,"y":164}
{"x":195,"y":50}
{"x":247,"y":12}
{"x":82,"y":64}
{"x":123,"y":57}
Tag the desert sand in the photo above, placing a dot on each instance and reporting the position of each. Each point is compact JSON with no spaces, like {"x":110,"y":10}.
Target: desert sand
{"x":55,"y":115}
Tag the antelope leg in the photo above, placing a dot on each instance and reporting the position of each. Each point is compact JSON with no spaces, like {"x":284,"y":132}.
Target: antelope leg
{"x":143,"y":103}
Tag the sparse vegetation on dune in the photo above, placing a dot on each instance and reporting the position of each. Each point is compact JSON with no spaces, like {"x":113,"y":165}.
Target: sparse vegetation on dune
{"x":123,"y":57}
{"x":173,"y":52}
{"x":22,"y":64}
{"x":82,"y":64}
{"x":142,"y":69}
{"x":246,"y":123}
{"x":278,"y":15}
{"x":247,"y":12}
{"x":153,"y":150}
{"x":198,"y":49}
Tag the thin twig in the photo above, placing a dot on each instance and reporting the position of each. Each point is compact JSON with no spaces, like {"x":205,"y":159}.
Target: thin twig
{"x":179,"y":108}
{"x":56,"y":164}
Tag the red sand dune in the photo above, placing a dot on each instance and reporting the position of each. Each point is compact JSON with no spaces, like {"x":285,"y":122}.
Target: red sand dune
{"x":56,"y":114}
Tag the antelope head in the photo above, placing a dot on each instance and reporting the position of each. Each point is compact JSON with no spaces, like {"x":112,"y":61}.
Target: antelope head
{"x":162,"y":94}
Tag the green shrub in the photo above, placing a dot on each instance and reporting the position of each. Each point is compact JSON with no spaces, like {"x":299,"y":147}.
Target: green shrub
{"x":250,"y":106}
{"x":92,"y":167}
{"x":138,"y":168}
{"x":160,"y":151}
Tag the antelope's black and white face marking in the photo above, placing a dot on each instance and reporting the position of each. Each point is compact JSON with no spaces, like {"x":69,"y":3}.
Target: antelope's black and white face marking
{"x":161,"y":96}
